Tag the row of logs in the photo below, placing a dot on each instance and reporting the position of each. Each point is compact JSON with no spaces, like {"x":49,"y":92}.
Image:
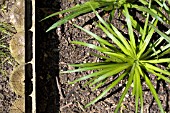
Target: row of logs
{"x":17,"y":50}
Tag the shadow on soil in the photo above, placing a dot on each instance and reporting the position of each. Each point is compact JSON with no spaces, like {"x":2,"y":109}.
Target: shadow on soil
{"x":165,"y":88}
{"x":47,"y":59}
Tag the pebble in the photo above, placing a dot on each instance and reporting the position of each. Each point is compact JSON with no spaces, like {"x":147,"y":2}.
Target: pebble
{"x":0,"y":87}
{"x":1,"y":96}
{"x":1,"y":109}
{"x":2,"y":1}
{"x":127,"y":95}
{"x":88,"y":27}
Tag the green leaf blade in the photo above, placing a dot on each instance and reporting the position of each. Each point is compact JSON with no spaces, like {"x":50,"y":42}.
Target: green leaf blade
{"x":153,"y":91}
{"x":130,"y":79}
{"x":101,"y":49}
{"x":90,"y":68}
{"x":167,"y":38}
{"x":107,"y":89}
{"x":147,"y":65}
{"x":95,"y":36}
{"x":130,"y":29}
{"x":98,"y":73}
{"x":115,"y":69}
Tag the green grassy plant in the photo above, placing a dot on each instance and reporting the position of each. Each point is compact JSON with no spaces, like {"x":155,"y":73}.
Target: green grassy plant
{"x":4,"y":55}
{"x":6,"y":30}
{"x":135,"y":57}
{"x":111,"y":6}
{"x":83,"y":9}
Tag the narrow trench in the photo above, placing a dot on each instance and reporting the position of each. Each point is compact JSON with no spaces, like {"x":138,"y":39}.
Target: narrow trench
{"x":47,"y":58}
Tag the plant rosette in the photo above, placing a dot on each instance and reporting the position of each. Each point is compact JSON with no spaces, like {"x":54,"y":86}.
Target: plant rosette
{"x":131,"y":56}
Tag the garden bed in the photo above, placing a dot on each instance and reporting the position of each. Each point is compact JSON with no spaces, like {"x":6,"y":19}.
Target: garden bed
{"x":54,"y":52}
{"x":74,"y":97}
{"x":7,"y":62}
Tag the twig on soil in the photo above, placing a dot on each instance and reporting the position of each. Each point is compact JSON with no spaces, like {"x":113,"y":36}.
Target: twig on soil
{"x":67,"y":105}
{"x":59,"y":88}
{"x":81,"y":107}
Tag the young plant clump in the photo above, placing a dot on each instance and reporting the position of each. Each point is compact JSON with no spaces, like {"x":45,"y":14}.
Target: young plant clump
{"x":133,"y":57}
{"x":111,"y":6}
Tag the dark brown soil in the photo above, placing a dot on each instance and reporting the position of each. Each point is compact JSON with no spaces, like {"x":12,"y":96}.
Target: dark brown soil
{"x":54,"y":52}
